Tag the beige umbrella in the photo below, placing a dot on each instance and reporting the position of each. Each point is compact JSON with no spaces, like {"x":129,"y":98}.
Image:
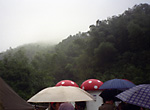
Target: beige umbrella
{"x":61,"y":94}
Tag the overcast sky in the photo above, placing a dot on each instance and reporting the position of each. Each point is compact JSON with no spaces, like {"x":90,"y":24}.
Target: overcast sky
{"x":29,"y":21}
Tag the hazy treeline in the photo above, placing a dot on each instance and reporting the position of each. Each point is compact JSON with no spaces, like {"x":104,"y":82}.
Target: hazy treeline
{"x":118,"y":47}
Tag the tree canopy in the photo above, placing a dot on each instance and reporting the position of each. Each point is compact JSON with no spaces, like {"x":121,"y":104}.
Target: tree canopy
{"x":118,"y":47}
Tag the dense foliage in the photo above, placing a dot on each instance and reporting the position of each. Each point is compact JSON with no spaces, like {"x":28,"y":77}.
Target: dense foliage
{"x":118,"y":47}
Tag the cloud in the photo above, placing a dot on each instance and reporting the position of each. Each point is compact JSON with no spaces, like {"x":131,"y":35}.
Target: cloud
{"x":26,"y":21}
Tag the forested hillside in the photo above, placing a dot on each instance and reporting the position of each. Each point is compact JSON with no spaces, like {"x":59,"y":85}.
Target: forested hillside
{"x":118,"y":47}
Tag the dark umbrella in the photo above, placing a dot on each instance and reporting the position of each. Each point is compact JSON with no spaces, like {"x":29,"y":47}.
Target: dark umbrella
{"x":120,"y":84}
{"x":138,"y":95}
{"x":110,"y":94}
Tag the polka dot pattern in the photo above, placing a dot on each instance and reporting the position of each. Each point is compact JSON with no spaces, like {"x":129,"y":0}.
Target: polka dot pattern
{"x":72,"y":83}
{"x":95,"y":87}
{"x":91,"y":84}
{"x":67,"y":83}
{"x":90,"y":81}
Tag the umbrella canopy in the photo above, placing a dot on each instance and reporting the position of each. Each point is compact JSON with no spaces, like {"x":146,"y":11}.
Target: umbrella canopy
{"x":61,"y":94}
{"x":117,"y":84}
{"x":10,"y":100}
{"x":109,"y":94}
{"x":138,"y":95}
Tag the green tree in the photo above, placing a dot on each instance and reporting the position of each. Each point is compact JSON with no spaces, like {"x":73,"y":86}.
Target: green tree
{"x":17,"y":73}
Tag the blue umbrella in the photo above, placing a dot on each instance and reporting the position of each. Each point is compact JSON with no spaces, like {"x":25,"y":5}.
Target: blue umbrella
{"x":120,"y":84}
{"x":138,"y":95}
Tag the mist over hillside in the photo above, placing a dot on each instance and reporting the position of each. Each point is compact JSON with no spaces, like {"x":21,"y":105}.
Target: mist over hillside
{"x":117,"y":47}
{"x":30,"y":49}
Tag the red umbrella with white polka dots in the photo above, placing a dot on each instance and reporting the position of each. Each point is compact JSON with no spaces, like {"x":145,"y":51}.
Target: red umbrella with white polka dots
{"x":67,"y":83}
{"x":91,"y":84}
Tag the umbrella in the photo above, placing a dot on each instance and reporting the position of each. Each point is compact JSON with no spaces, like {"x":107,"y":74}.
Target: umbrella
{"x":61,"y":94}
{"x":138,"y":95}
{"x":117,"y":84}
{"x":109,"y":94}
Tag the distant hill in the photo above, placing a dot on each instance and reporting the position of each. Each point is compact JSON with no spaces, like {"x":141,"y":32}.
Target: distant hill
{"x":30,"y":49}
{"x":118,"y":47}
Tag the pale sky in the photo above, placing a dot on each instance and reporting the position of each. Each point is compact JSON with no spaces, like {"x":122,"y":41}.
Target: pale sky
{"x":29,"y":21}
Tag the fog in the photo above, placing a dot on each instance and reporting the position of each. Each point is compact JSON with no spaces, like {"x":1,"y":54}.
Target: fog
{"x":29,"y":21}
